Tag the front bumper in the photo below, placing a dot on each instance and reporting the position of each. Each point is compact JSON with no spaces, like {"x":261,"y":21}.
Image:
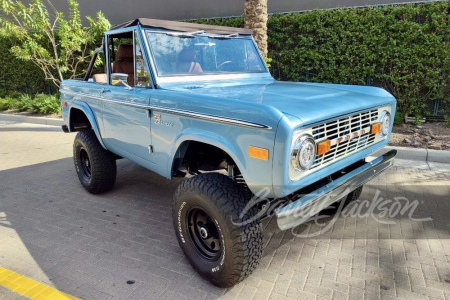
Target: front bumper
{"x":301,"y":210}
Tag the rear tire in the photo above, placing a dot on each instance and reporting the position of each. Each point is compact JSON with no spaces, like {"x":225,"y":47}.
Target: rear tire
{"x":95,"y":166}
{"x":223,"y":246}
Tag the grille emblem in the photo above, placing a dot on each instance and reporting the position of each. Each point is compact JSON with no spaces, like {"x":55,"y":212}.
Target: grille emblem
{"x":350,"y":136}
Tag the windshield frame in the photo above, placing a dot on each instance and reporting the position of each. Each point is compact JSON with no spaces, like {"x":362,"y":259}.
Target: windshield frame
{"x":209,"y":76}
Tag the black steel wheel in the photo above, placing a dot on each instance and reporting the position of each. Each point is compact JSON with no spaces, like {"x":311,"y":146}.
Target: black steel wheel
{"x":204,"y":234}
{"x":85,"y":163}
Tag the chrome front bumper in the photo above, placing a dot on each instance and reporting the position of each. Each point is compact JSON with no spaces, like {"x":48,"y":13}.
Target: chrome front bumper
{"x":301,"y":210}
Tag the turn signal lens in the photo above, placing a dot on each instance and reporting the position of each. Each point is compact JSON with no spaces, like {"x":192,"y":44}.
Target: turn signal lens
{"x":323,"y":147}
{"x":258,"y":153}
{"x":375,"y":128}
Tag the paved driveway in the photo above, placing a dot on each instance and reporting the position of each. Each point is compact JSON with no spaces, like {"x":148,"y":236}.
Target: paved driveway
{"x":88,"y":246}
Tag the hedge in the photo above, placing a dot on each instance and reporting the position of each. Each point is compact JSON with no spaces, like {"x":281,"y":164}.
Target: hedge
{"x":20,"y":76}
{"x":403,"y":48}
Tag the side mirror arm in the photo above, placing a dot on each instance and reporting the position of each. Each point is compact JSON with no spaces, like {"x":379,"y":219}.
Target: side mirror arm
{"x":127,"y":86}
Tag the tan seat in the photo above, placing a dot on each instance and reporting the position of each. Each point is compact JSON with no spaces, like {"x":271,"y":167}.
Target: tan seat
{"x":186,"y":62}
{"x":125,"y":63}
{"x":100,"y":78}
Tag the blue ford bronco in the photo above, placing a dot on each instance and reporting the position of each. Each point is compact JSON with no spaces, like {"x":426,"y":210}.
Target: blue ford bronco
{"x":198,"y":102}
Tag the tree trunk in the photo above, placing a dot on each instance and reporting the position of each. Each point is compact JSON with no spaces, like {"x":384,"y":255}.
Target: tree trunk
{"x":256,"y":19}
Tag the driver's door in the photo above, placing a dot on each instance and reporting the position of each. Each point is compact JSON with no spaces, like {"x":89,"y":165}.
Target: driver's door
{"x":126,"y":122}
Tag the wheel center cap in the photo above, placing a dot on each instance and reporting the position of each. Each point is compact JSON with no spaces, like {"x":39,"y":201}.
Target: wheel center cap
{"x":203,"y":232}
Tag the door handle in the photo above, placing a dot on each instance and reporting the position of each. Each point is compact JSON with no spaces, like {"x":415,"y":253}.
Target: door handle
{"x":103,"y":90}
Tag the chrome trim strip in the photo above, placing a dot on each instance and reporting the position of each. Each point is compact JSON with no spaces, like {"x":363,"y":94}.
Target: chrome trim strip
{"x":175,"y":112}
{"x":80,"y":95}
{"x":106,"y":100}
{"x":210,"y":117}
{"x":300,"y":211}
{"x":212,"y":77}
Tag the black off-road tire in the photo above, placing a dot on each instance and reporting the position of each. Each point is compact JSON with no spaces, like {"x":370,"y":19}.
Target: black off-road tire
{"x":101,"y":165}
{"x":240,"y":236}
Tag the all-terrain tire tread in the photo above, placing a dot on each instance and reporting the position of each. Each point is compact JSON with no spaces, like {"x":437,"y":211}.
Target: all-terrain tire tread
{"x":103,"y":162}
{"x":231,"y":199}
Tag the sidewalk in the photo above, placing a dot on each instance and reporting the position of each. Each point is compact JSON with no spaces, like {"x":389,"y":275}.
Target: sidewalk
{"x":424,"y":159}
{"x":31,"y":119}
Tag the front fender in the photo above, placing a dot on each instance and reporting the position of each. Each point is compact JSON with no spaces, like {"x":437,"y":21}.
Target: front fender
{"x":86,"y":109}
{"x":210,"y":138}
{"x":255,"y":172}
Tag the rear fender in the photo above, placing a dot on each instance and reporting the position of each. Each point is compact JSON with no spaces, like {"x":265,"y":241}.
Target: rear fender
{"x":86,"y":109}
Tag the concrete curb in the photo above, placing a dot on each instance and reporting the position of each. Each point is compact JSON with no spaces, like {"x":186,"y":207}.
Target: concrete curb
{"x":417,"y":154}
{"x":33,"y":120}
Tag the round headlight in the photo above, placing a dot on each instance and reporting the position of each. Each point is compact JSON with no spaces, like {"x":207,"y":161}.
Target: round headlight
{"x":303,"y":153}
{"x":385,"y":123}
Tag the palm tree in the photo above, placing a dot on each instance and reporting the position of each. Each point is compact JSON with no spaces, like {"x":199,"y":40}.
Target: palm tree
{"x":256,"y":19}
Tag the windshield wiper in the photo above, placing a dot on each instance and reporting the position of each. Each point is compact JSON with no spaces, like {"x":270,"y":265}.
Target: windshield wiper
{"x":223,"y":37}
{"x":185,"y":34}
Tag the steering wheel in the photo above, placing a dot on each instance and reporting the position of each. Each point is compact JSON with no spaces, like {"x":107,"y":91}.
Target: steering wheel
{"x":227,"y":62}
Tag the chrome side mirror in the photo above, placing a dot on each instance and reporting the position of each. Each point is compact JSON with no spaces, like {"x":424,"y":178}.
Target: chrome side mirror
{"x":121,"y":79}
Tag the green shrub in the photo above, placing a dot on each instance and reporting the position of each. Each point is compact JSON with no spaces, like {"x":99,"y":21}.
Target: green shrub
{"x":45,"y":104}
{"x":447,"y":121}
{"x":403,"y":48}
{"x":22,"y":103}
{"x":5,"y":103}
{"x":39,"y":104}
{"x":14,"y":95}
{"x":418,"y":120}
{"x":398,"y":118}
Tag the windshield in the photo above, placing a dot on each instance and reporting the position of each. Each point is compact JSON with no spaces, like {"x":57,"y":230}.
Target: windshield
{"x":201,"y":54}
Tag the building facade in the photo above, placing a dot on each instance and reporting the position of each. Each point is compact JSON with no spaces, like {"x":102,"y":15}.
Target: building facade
{"x":119,"y":11}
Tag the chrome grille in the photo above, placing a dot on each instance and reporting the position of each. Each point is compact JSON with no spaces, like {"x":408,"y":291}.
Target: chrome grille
{"x":341,"y":127}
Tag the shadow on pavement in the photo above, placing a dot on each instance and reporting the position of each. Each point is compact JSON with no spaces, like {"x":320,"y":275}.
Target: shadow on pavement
{"x":89,"y":246}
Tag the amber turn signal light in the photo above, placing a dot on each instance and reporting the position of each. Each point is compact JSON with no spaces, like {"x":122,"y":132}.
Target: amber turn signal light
{"x":258,"y":153}
{"x":323,"y":147}
{"x":375,"y":128}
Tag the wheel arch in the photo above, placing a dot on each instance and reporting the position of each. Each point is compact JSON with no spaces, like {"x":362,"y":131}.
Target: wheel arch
{"x":218,"y":142}
{"x":79,"y":113}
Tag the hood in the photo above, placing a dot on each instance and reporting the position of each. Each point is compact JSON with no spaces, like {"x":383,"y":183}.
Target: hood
{"x":309,"y":102}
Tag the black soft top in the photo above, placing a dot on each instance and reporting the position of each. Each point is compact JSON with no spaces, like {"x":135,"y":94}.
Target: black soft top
{"x":184,"y":26}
